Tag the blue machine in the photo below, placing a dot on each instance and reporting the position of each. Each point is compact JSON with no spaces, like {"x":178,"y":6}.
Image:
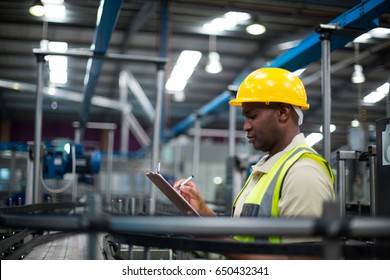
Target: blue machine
{"x":58,"y":160}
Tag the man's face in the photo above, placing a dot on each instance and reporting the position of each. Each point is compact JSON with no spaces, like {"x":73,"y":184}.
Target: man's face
{"x":261,"y":125}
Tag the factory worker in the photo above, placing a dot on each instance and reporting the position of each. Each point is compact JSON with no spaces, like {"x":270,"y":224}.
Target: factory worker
{"x":291,"y":180}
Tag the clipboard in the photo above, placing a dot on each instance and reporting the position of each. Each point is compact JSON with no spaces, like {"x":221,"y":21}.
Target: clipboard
{"x":169,"y":191}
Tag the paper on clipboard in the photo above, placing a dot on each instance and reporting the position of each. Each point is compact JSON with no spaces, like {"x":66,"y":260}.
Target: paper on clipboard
{"x":170,"y":192}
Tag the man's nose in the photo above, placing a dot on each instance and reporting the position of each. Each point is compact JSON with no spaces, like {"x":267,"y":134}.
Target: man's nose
{"x":247,"y":125}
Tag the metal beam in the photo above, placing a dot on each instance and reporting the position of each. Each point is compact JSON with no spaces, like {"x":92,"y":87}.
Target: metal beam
{"x":138,"y":92}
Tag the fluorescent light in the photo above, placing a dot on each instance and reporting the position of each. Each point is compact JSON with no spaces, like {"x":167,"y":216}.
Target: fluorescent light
{"x":314,"y":138}
{"x":58,"y":46}
{"x":220,"y":24}
{"x":255,"y":29}
{"x":58,"y":65}
{"x":55,"y":11}
{"x":237,"y":16}
{"x":364,"y":38}
{"x":183,"y":70}
{"x":60,"y":77}
{"x":189,"y":59}
{"x":384,"y":89}
{"x":379,"y":32}
{"x":175,"y":85}
{"x":377,"y":95}
{"x":228,"y":21}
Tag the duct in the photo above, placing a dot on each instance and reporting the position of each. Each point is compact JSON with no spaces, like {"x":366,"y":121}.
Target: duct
{"x":360,"y":18}
{"x":106,"y":21}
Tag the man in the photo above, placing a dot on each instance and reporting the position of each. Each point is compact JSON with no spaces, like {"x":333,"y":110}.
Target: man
{"x":291,"y":180}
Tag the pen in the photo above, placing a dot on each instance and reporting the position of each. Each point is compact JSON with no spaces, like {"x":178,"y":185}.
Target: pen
{"x":185,"y":181}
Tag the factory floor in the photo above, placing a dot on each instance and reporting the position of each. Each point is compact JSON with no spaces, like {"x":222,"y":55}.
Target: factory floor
{"x":73,"y":247}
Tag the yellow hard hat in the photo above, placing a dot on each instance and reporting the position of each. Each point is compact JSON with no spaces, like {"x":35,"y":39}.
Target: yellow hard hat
{"x":271,"y":85}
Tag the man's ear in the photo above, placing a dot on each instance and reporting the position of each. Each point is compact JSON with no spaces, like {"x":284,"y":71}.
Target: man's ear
{"x":284,"y":112}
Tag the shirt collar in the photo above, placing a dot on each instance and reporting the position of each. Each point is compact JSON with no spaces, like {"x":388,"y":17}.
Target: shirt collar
{"x":265,"y":164}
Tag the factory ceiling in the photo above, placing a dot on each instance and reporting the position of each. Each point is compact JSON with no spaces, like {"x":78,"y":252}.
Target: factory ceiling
{"x":154,"y":29}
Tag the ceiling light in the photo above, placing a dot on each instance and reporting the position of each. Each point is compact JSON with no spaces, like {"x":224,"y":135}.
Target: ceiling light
{"x":377,"y":95}
{"x":237,"y":16}
{"x":183,"y":70}
{"x":179,"y":96}
{"x":380,"y":32}
{"x":58,"y":65}
{"x":357,"y":75}
{"x":220,"y":24}
{"x":37,"y":9}
{"x":255,"y":29}
{"x":214,"y":65}
{"x":355,"y":123}
{"x":364,"y":38}
{"x":55,"y":11}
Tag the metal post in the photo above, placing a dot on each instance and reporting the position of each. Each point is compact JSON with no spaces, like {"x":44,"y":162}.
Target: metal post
{"x":74,"y":179}
{"x":110,"y":157}
{"x":196,"y":151}
{"x":94,"y":203}
{"x":38,"y":130}
{"x":177,"y":157}
{"x":332,"y":249}
{"x":372,"y":166}
{"x":157,"y":133}
{"x":29,"y":181}
{"x":388,"y":106}
{"x":340,"y":192}
{"x":325,"y":34}
{"x":123,"y":96}
{"x":232,"y":130}
{"x":342,"y":156}
{"x":11,"y":182}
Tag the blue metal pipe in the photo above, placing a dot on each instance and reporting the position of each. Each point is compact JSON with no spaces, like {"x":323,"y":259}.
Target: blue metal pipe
{"x":105,"y":26}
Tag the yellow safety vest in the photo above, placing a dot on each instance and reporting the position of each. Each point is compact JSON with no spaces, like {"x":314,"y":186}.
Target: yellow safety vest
{"x":263,"y":200}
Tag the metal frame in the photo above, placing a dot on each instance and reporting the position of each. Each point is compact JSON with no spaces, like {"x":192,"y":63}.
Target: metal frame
{"x":40,"y":55}
{"x":93,"y":220}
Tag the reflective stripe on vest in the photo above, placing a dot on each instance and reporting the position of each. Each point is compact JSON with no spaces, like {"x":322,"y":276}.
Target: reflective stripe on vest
{"x":263,"y":200}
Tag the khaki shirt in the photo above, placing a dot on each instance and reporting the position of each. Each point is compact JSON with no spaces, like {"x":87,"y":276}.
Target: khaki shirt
{"x":306,"y":186}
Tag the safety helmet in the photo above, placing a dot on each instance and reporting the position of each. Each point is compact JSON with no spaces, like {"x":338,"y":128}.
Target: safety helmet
{"x":271,"y":85}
